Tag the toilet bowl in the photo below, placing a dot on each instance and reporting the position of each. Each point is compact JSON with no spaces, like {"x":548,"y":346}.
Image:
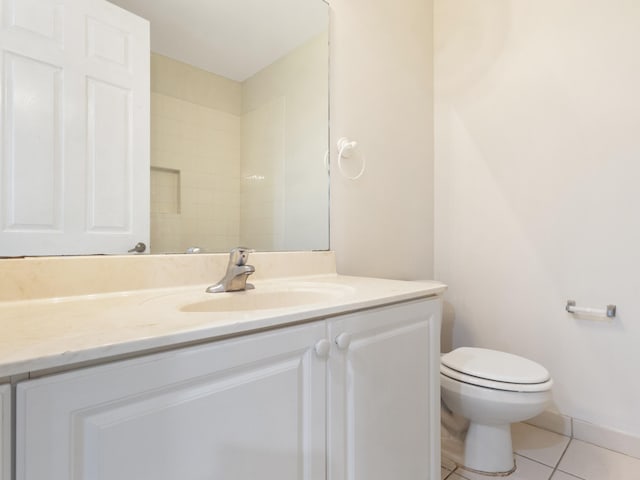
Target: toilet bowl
{"x":492,"y":390}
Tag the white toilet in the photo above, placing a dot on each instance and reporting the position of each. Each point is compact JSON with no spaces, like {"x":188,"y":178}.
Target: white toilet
{"x":492,"y":390}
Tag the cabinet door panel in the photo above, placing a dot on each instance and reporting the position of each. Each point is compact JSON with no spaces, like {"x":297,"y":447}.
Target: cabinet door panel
{"x":5,"y":432}
{"x":246,"y":408}
{"x":383,"y":394}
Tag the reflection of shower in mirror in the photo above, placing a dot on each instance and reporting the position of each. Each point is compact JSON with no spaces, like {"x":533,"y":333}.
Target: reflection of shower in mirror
{"x":232,"y":137}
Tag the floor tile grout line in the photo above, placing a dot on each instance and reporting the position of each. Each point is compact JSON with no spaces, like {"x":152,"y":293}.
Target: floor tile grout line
{"x":605,"y":448}
{"x":531,"y":460}
{"x":553,"y":466}
{"x":452,"y":471}
{"x":555,"y":469}
{"x":557,"y":464}
{"x":449,"y":474}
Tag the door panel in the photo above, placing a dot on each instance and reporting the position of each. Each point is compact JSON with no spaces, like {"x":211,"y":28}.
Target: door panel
{"x":33,"y":145}
{"x":74,"y":164}
{"x":241,"y":409}
{"x":42,"y":17}
{"x":110,"y":181}
{"x":5,"y":432}
{"x":382,"y":390}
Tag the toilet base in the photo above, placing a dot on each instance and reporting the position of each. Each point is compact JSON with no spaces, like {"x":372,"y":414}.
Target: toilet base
{"x":488,"y":449}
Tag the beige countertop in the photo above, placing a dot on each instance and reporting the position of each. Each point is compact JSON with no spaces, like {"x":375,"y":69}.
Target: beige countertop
{"x":38,"y":335}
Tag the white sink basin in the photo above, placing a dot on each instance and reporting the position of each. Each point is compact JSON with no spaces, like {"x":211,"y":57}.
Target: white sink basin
{"x":268,"y":298}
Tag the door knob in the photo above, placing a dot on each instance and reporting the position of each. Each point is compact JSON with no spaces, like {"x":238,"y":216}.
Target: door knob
{"x":139,"y":248}
{"x":343,"y":340}
{"x":322,"y":348}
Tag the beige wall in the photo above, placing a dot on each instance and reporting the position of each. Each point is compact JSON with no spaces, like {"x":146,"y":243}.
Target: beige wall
{"x":381,"y":96}
{"x":537,"y":118}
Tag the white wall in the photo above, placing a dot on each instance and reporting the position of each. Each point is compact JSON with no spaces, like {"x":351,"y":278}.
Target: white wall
{"x":537,"y":164}
{"x":381,"y":96}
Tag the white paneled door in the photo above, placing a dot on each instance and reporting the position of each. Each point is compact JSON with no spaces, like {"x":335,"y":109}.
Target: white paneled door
{"x":74,"y":168}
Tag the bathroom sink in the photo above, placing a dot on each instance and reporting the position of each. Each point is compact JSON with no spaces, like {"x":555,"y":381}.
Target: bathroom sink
{"x":268,"y":298}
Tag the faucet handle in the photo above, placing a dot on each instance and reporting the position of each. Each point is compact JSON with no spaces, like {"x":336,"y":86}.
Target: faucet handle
{"x":239,"y":255}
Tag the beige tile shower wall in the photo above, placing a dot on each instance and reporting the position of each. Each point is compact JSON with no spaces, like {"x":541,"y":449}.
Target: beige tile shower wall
{"x":284,"y":185}
{"x":195,"y":133}
{"x":186,"y":82}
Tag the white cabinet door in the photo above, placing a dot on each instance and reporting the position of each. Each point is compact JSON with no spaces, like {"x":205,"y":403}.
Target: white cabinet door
{"x":384,"y":391}
{"x":5,"y":432}
{"x":241,"y":409}
{"x":74,"y":128}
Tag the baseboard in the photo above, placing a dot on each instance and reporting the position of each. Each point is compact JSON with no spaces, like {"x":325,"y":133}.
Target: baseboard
{"x":588,"y":432}
{"x":607,"y":438}
{"x":554,"y":422}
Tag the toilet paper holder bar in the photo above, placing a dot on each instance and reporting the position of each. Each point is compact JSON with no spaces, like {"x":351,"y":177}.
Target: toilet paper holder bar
{"x":609,"y":311}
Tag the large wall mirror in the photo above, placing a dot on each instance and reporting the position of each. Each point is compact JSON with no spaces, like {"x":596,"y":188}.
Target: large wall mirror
{"x":239,"y":123}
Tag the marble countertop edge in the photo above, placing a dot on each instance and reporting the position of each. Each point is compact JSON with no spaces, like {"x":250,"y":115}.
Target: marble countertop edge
{"x":39,"y":336}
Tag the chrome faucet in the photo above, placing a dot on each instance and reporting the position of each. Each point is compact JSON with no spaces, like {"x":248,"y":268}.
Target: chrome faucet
{"x":237,"y":272}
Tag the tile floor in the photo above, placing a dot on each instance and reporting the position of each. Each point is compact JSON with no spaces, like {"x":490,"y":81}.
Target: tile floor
{"x":543,"y":455}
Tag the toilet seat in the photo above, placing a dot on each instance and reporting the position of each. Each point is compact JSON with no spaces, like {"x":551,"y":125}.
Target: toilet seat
{"x":496,"y":370}
{"x":495,"y":385}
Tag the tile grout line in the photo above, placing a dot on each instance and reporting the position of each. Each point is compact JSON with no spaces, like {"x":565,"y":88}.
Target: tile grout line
{"x":451,"y":472}
{"x":618,"y":452}
{"x":531,"y":460}
{"x":555,"y":469}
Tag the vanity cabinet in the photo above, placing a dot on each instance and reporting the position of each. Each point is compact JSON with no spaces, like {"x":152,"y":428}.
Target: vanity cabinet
{"x":245,"y":408}
{"x":352,"y":397}
{"x":384,"y":394}
{"x":5,"y":432}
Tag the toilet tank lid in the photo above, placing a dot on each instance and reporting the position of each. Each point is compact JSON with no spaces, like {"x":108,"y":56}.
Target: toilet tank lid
{"x":495,"y":365}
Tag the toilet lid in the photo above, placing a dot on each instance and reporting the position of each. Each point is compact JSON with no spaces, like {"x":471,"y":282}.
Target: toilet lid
{"x":495,"y":366}
{"x":494,"y":385}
